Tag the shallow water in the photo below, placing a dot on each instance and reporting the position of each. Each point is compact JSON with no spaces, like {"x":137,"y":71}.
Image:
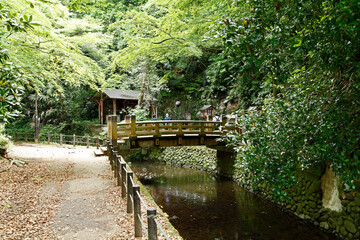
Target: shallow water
{"x":201,"y":206}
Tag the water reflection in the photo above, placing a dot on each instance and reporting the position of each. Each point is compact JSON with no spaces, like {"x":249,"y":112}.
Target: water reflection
{"x":203,"y":207}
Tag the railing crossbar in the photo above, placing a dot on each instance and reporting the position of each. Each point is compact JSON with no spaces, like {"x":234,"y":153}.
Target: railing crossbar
{"x":131,"y":198}
{"x":132,"y":181}
{"x":161,"y":229}
{"x":141,"y":221}
{"x":142,"y":201}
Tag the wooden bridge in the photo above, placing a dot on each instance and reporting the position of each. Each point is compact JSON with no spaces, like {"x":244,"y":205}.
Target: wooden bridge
{"x":131,"y":134}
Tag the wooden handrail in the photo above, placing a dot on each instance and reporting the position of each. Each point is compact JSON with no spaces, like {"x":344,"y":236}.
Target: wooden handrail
{"x":168,"y":127}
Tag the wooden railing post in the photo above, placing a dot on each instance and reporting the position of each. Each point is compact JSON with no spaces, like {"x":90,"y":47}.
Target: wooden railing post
{"x":97,"y":143}
{"x":152,"y":228}
{"x":74,"y":139}
{"x":223,"y":123}
{"x":133,"y":130}
{"x":202,"y":133}
{"x":180,"y":133}
{"x":157,"y":130}
{"x":61,"y":139}
{"x":209,"y":118}
{"x":113,"y":129}
{"x":114,"y":163}
{"x":123,"y":179}
{"x":127,"y":120}
{"x":129,"y":192}
{"x":137,"y":211}
{"x":111,"y":155}
{"x":133,"y":126}
{"x":48,"y":138}
{"x":108,"y":126}
{"x":87,"y":142}
{"x":157,"y":134}
{"x":118,"y":172}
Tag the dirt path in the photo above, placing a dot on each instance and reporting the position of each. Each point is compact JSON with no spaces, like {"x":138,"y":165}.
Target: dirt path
{"x":85,"y":202}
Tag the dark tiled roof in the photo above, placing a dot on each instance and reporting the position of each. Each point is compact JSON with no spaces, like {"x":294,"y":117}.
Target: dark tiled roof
{"x":122,"y":94}
{"x":206,"y":107}
{"x":118,"y":94}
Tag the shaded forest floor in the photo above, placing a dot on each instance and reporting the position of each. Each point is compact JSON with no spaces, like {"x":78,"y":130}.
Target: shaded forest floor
{"x":63,"y":193}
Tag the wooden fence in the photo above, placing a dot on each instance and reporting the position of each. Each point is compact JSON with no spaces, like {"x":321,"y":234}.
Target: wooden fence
{"x":61,"y":139}
{"x":129,"y":190}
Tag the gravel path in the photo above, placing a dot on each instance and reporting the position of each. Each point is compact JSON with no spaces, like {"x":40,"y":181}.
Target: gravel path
{"x":79,"y":190}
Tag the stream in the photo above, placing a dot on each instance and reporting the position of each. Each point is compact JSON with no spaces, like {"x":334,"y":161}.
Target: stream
{"x":201,"y":206}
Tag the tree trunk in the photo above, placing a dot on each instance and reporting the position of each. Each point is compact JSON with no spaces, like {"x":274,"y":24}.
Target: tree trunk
{"x":145,"y":79}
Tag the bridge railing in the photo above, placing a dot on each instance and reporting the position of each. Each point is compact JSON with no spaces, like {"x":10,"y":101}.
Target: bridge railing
{"x":132,"y":128}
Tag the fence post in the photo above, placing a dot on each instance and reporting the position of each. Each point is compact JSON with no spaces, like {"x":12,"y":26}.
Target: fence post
{"x":133,"y":130}
{"x":137,"y":211}
{"x":110,"y":154}
{"x":61,"y":139}
{"x":129,"y":192}
{"x":114,"y":162}
{"x":180,"y":134}
{"x":123,"y":179}
{"x":74,"y":139}
{"x":202,"y":133}
{"x":127,"y":127}
{"x":108,"y":125}
{"x":223,"y":123}
{"x":113,"y":129}
{"x":209,"y":118}
{"x":26,"y":136}
{"x":152,"y":228}
{"x":87,"y":142}
{"x":48,"y":138}
{"x":118,"y":170}
{"x":97,"y":142}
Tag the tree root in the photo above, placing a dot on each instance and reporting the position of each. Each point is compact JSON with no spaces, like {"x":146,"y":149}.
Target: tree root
{"x":18,"y":163}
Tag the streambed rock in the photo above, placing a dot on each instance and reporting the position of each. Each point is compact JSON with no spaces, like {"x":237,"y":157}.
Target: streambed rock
{"x":349,"y":226}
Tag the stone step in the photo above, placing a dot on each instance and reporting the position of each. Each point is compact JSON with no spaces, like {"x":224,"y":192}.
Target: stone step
{"x":104,"y":150}
{"x":98,"y":153}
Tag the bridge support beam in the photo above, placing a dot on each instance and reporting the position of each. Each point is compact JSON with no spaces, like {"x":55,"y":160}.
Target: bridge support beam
{"x":225,"y":162}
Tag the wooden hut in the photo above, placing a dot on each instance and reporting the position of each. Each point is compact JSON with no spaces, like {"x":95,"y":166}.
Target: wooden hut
{"x":207,"y":110}
{"x":114,"y":101}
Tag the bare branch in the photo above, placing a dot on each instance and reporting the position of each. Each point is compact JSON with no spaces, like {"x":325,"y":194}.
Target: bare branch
{"x":172,"y":38}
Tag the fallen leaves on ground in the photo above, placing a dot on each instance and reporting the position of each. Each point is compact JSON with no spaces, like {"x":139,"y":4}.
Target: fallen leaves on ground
{"x":25,"y":213}
{"x":28,"y":206}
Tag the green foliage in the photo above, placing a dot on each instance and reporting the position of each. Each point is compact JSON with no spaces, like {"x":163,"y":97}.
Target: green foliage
{"x":141,"y":112}
{"x":4,"y":141}
{"x":12,"y":78}
{"x":51,"y":129}
{"x":63,"y":58}
{"x":11,"y":82}
{"x":306,"y":53}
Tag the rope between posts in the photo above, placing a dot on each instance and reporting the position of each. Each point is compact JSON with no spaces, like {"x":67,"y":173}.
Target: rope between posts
{"x":161,"y":229}
{"x":141,"y":200}
{"x":131,"y":199}
{"x":132,"y":181}
{"x":142,"y":224}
